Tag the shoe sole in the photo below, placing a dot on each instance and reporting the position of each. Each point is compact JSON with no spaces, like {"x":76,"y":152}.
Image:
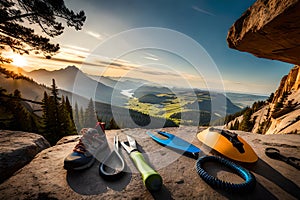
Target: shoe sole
{"x":88,"y":165}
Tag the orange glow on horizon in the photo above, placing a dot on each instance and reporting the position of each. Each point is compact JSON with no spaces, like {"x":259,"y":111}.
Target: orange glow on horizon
{"x":18,"y":60}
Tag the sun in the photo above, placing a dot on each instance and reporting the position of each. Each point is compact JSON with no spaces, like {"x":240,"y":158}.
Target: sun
{"x":19,"y":60}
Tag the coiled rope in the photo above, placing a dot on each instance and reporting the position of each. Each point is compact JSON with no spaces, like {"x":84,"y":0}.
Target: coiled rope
{"x":245,"y":186}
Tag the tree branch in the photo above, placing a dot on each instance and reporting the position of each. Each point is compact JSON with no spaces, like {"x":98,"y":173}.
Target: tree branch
{"x":18,"y":17}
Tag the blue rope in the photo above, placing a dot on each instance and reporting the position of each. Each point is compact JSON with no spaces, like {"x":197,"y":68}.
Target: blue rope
{"x":246,"y":186}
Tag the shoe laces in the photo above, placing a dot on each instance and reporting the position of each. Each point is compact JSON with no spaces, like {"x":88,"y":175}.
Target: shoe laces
{"x":80,"y":148}
{"x":90,"y":140}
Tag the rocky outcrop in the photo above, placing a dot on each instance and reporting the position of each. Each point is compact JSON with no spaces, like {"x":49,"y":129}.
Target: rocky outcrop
{"x":17,"y":149}
{"x":281,"y":113}
{"x":45,"y":178}
{"x":269,"y":29}
{"x":289,"y":84}
{"x":284,"y":110}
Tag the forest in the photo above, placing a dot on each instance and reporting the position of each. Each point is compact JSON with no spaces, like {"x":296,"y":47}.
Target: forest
{"x":57,"y":118}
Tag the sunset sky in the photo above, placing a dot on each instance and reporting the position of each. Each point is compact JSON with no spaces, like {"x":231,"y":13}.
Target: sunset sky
{"x":204,"y":22}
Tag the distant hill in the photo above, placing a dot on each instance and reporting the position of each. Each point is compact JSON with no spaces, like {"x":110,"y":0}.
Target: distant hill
{"x":124,"y":118}
{"x":244,"y":100}
{"x":121,"y":83}
{"x":74,"y":80}
{"x":182,"y":105}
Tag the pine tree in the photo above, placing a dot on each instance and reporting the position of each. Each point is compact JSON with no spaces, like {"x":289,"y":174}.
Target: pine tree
{"x":81,"y":118}
{"x":21,"y":118}
{"x":54,"y":107}
{"x":69,"y":107}
{"x":16,"y":20}
{"x":236,"y":125}
{"x":271,"y":97}
{"x":17,"y":94}
{"x":90,"y":115}
{"x":70,"y":112}
{"x":113,"y":124}
{"x":51,"y":118}
{"x":246,"y":124}
{"x":76,"y":117}
{"x":45,"y":109}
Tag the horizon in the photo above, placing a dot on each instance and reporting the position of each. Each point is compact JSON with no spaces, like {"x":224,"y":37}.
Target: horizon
{"x":17,"y":69}
{"x":205,"y":23}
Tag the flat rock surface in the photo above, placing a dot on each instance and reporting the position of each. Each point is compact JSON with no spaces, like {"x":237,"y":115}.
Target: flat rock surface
{"x":45,"y":178}
{"x":17,"y":149}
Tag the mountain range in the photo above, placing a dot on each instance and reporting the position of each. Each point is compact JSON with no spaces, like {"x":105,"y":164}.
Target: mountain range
{"x":74,"y":80}
{"x":32,"y":93}
{"x":100,"y":87}
{"x":148,"y":98}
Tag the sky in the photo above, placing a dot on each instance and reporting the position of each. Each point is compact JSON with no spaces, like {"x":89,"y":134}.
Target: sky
{"x":173,"y":42}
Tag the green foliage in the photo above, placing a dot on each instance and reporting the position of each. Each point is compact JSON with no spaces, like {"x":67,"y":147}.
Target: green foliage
{"x":113,"y":124}
{"x":153,"y":99}
{"x":67,"y":126}
{"x":90,"y":118}
{"x":271,"y":97}
{"x":280,"y":109}
{"x":261,"y":128}
{"x":282,"y":112}
{"x":14,"y":114}
{"x":13,"y":75}
{"x":77,"y":118}
{"x":106,"y":112}
{"x":257,"y":106}
{"x":57,"y":116}
{"x":81,"y":117}
{"x":69,"y":107}
{"x":247,"y":124}
{"x":235,"y":125}
{"x":278,"y":106}
{"x":48,"y":15}
{"x":293,"y":132}
{"x":20,"y":117}
{"x":231,"y":117}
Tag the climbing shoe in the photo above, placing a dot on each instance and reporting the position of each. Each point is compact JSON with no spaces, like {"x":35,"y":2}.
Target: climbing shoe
{"x":89,"y":146}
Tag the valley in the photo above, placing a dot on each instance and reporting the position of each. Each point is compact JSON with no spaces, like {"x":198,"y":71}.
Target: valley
{"x":127,"y":102}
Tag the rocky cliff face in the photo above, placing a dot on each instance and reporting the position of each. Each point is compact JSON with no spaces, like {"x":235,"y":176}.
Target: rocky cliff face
{"x":281,"y":114}
{"x":289,"y":84}
{"x":284,"y":110}
{"x":269,"y":29}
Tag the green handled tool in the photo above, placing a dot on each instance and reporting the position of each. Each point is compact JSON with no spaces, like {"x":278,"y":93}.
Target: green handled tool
{"x":151,"y":178}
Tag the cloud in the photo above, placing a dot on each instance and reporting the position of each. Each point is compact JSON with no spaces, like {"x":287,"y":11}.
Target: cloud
{"x":157,"y":72}
{"x":116,"y":64}
{"x":72,"y":61}
{"x":202,"y":11}
{"x":95,"y":35}
{"x":74,"y":52}
{"x":107,"y":63}
{"x":73,"y":47}
{"x":151,"y":58}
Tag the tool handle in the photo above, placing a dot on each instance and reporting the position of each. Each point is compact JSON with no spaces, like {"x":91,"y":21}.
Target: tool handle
{"x":151,"y":178}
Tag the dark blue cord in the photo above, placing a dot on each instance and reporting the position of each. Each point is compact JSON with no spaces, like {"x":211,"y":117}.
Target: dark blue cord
{"x":246,"y":186}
